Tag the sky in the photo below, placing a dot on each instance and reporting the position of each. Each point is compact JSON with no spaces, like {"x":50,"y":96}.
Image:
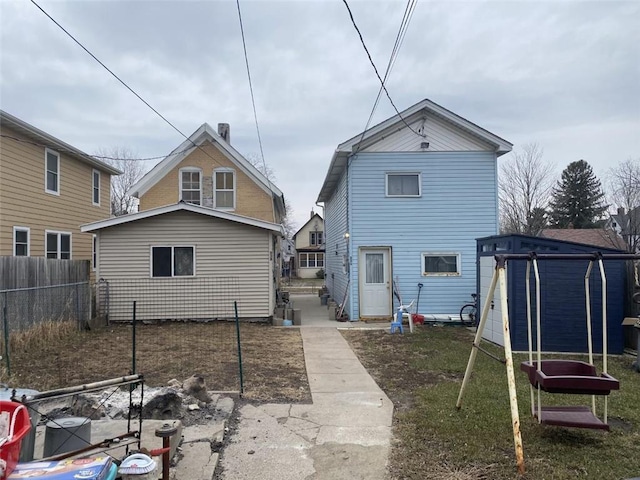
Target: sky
{"x":564,"y":74}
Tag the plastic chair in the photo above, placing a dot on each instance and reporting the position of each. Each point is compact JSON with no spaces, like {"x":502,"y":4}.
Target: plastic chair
{"x":397,"y":324}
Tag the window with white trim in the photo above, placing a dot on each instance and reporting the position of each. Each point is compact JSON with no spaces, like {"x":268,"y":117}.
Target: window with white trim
{"x":96,"y":187}
{"x":94,"y":251}
{"x":21,"y":241}
{"x":403,"y":184}
{"x":58,"y":245}
{"x":445,"y":264}
{"x":315,"y":238}
{"x":191,"y":185}
{"x":178,"y":261}
{"x":311,"y":260}
{"x":224,"y":188}
{"x":51,"y":171}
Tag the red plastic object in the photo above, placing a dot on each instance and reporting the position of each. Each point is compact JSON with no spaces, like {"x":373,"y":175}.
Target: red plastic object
{"x":417,"y":319}
{"x":576,"y":417}
{"x":19,"y":426}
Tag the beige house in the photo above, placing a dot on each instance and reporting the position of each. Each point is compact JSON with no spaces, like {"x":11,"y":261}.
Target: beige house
{"x":206,"y":170}
{"x":174,"y":252}
{"x":47,"y":190}
{"x":207,"y":233}
{"x":309,"y":245}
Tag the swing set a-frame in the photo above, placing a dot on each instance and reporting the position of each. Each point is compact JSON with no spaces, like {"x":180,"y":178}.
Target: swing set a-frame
{"x":551,"y":376}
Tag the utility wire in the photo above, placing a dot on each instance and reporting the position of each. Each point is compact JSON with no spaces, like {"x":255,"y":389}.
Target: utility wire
{"x":404,"y":25}
{"x":253,"y":100}
{"x":376,"y":69}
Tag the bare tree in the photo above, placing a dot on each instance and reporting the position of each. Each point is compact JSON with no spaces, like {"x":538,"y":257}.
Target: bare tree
{"x":267,"y":171}
{"x":525,"y":182}
{"x":623,"y":181}
{"x":132,"y":170}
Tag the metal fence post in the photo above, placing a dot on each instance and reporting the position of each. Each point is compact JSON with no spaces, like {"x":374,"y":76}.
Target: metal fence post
{"x":235,"y":307}
{"x":133,"y":348}
{"x":5,"y":321}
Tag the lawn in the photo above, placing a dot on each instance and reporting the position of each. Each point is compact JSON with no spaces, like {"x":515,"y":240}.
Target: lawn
{"x":422,"y":374}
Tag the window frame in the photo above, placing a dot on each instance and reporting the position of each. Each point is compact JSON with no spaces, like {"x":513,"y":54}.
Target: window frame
{"x":180,"y":189}
{"x":398,"y":174}
{"x":457,"y":256}
{"x":16,"y":229}
{"x":59,"y":235}
{"x":215,"y":188}
{"x":314,"y":235}
{"x":307,"y":256}
{"x":95,"y":187}
{"x":172,"y":247}
{"x":48,"y":151}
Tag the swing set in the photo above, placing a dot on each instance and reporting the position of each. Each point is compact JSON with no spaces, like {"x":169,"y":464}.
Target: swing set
{"x":547,"y":375}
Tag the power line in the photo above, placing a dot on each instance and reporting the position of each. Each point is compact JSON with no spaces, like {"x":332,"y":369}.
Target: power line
{"x":404,"y":25}
{"x":253,"y":100}
{"x":376,"y":69}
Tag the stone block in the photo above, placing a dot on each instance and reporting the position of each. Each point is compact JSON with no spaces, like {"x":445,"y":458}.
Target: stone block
{"x":332,"y":312}
{"x":297,"y":316}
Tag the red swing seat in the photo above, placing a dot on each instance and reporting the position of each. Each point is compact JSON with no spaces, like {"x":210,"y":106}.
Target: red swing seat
{"x":569,"y":376}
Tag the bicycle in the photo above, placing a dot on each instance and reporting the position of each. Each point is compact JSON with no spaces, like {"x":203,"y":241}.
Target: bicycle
{"x":469,"y":312}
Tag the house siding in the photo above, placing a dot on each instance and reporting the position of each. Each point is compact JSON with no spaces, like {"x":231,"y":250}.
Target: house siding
{"x":251,"y":200}
{"x":24,"y":202}
{"x":336,"y":244}
{"x":458,"y":204}
{"x":223,"y":249}
{"x":441,"y":135}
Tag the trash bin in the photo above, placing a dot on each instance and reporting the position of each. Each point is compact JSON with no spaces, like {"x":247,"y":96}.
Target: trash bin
{"x":324,"y":299}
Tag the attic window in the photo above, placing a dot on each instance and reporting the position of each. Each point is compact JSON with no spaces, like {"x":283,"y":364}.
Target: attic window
{"x":224,"y":188}
{"x":191,"y":185}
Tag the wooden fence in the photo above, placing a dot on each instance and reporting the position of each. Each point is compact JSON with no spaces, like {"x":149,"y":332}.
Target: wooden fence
{"x":27,"y":272}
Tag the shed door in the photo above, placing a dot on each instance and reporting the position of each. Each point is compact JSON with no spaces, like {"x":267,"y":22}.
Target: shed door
{"x":374,"y":276}
{"x":493,"y":328}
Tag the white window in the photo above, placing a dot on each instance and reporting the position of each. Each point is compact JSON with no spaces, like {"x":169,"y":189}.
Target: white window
{"x":441,"y":264}
{"x":403,"y":184}
{"x":191,"y":185}
{"x":52,"y":171}
{"x":96,"y":187}
{"x":58,"y":245}
{"x":224,"y":188}
{"x":311,"y":260}
{"x":177,"y":261}
{"x":21,"y":241}
{"x":94,"y":252}
{"x":315,"y":238}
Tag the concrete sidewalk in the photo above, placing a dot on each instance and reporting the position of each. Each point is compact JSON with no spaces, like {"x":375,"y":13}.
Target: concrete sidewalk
{"x":344,"y":434}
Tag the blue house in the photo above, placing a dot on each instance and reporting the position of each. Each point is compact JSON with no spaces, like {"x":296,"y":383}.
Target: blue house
{"x":404,"y":202}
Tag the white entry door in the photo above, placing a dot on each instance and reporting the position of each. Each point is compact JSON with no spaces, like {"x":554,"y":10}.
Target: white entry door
{"x":375,"y":284}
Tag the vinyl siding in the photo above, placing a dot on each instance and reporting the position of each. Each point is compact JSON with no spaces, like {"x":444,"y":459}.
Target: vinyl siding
{"x":336,"y":244}
{"x":223,"y":249}
{"x":24,"y":202}
{"x":441,"y":135}
{"x":458,"y":205}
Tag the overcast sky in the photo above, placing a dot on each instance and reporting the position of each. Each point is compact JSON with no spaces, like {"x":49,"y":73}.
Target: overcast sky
{"x":564,"y":74}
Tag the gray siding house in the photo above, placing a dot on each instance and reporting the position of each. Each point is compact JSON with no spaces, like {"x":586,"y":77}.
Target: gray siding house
{"x":404,"y":203}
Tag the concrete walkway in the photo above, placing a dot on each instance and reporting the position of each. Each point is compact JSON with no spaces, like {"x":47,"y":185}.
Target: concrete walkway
{"x":343,"y":435}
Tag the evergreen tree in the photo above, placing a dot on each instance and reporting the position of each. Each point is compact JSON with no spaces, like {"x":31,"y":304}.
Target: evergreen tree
{"x":577,"y":200}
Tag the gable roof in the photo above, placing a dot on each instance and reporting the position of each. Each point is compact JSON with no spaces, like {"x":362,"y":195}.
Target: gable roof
{"x":46,"y":140}
{"x":181,"y":206}
{"x":597,"y":237}
{"x":307,"y":223}
{"x":197,"y":138}
{"x":345,"y":149}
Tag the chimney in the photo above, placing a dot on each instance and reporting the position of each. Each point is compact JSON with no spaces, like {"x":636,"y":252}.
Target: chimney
{"x":621,"y":211}
{"x":224,"y":132}
{"x":312,"y":214}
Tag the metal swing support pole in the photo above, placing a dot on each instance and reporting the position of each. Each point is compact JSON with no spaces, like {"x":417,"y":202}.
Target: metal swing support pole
{"x":499,"y":277}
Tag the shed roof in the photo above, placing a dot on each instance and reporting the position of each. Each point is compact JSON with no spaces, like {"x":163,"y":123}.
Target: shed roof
{"x":597,"y":237}
{"x":46,"y":140}
{"x":181,"y":206}
{"x":345,"y":149}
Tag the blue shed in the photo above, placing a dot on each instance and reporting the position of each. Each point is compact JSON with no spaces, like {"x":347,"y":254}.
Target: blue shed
{"x":562,"y":293}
